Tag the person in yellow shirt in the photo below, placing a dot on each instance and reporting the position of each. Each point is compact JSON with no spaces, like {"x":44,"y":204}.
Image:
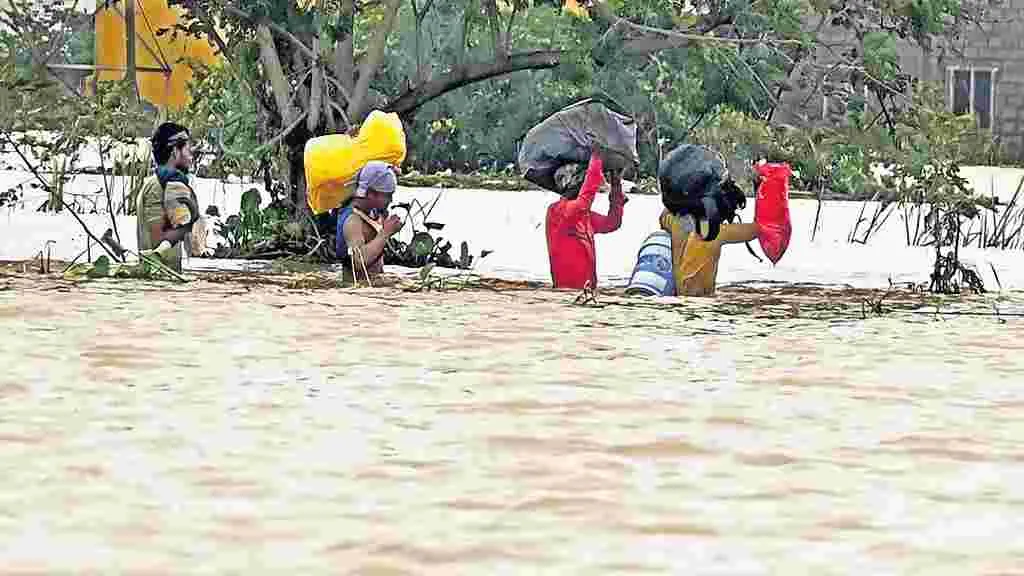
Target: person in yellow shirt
{"x":695,"y":260}
{"x":701,"y":200}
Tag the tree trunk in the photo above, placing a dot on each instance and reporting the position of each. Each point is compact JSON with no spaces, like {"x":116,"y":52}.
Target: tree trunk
{"x":491,"y":8}
{"x":297,"y":180}
{"x":316,"y":91}
{"x":301,"y":94}
{"x":372,"y":60}
{"x":344,"y":55}
{"x":275,"y":73}
{"x":131,"y":75}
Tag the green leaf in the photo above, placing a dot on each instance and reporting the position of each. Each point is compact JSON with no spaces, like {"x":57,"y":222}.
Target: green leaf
{"x":100,"y":268}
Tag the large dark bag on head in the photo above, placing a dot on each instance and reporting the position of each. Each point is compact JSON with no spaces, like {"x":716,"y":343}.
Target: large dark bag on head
{"x":694,"y":180}
{"x":567,"y":136}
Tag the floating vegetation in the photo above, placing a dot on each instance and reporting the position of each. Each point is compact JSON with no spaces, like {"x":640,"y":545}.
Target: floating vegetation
{"x":147,"y":268}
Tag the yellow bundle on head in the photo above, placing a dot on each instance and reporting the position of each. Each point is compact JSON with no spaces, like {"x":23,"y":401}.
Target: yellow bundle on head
{"x":333,"y":161}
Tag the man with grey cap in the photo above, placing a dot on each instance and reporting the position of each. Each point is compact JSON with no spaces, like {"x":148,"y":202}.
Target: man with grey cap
{"x":363,"y":223}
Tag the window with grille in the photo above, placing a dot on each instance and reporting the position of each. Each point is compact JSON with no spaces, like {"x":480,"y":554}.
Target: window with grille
{"x":972,"y":91}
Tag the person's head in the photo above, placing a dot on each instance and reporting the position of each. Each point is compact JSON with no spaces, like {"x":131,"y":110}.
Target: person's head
{"x":376,"y":185}
{"x":171,"y":146}
{"x":569,"y":180}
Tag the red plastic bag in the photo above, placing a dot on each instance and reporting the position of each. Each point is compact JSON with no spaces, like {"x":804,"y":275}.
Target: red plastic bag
{"x":771,"y":211}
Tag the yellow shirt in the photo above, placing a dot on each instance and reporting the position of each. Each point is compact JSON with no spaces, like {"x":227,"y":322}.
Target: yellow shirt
{"x":695,"y":261}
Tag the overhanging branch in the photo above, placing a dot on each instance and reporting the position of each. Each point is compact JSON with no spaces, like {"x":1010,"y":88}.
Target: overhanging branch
{"x":276,"y":29}
{"x":465,"y":74}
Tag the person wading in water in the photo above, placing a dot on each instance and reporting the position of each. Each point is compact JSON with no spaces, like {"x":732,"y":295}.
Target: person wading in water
{"x":364,"y":226}
{"x":571,"y":225}
{"x":167,"y":207}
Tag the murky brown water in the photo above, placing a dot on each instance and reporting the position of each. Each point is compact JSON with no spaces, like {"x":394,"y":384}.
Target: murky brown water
{"x":219,"y":428}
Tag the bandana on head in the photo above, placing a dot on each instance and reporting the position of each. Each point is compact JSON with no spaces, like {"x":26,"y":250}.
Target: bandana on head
{"x":377,"y":176}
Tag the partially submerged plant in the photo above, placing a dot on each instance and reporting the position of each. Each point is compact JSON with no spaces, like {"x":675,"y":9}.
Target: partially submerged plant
{"x":257,"y":232}
{"x":424,"y":249}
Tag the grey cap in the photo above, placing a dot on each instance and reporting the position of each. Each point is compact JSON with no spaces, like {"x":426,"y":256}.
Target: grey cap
{"x":376,"y":175}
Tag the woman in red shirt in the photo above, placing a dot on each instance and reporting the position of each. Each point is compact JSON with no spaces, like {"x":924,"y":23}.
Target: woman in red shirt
{"x":571,"y":226}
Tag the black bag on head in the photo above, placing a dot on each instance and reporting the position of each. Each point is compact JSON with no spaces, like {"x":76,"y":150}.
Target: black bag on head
{"x":566,"y":137}
{"x":694,"y":180}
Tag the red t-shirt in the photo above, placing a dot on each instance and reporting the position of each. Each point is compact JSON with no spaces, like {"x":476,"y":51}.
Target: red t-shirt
{"x":571,"y":226}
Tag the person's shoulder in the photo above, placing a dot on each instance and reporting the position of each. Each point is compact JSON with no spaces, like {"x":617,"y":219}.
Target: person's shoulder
{"x":151,"y":189}
{"x":684,"y":222}
{"x":150,"y":182}
{"x":557,"y":207}
{"x":349,"y":221}
{"x":177,"y":186}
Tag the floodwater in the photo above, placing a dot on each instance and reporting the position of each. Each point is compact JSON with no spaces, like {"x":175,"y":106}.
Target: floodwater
{"x":226,"y":428}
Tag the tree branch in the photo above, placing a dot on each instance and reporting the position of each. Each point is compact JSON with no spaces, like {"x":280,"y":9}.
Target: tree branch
{"x":491,"y":7}
{"x":344,"y":58}
{"x":426,"y":8}
{"x":341,"y":89}
{"x":222,"y":47}
{"x":300,"y":93}
{"x":277,"y":29}
{"x":508,"y":28}
{"x":464,"y":74}
{"x":374,"y":56}
{"x":341,"y":111}
{"x":316,"y":91}
{"x":655,"y":40}
{"x":284,"y":134}
{"x":640,"y":40}
{"x":332,"y":123}
{"x":419,"y":16}
{"x":274,"y":72}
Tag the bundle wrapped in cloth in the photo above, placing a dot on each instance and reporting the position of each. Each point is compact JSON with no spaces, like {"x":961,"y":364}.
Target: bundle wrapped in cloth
{"x":332,"y":162}
{"x":695,"y":181}
{"x":554,"y":153}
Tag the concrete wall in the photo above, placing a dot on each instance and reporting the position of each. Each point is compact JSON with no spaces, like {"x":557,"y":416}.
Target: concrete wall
{"x":998,"y":45}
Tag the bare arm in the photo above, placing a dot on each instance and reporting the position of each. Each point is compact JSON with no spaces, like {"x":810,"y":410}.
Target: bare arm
{"x":174,"y":235}
{"x":738,"y":233}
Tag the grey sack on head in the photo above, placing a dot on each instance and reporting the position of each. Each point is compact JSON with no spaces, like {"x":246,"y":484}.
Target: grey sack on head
{"x":566,"y":137}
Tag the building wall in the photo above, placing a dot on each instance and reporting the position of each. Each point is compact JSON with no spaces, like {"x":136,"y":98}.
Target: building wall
{"x":998,"y":46}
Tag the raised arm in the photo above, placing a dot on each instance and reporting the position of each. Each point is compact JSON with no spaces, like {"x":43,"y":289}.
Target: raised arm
{"x":591,"y":184}
{"x":617,"y":200}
